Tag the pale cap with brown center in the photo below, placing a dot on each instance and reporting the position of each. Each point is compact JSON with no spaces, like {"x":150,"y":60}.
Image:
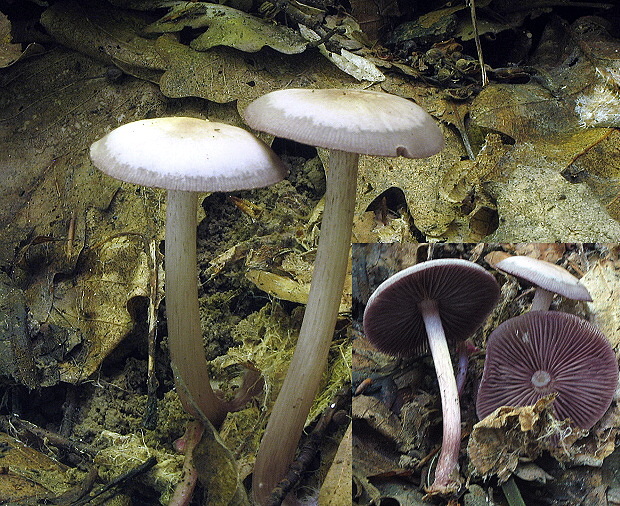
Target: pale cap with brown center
{"x":546,"y":275}
{"x":189,"y":154}
{"x":355,"y":121}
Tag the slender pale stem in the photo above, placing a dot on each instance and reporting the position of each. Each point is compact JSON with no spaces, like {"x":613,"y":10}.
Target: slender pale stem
{"x":191,"y":374}
{"x":304,"y":374}
{"x":451,"y":412}
{"x":542,"y":300}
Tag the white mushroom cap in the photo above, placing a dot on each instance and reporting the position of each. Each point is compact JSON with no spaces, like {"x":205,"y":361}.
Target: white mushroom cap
{"x":355,"y":121}
{"x":545,"y":275}
{"x":187,"y":154}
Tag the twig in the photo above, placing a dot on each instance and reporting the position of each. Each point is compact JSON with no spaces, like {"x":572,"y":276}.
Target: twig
{"x":71,"y":234}
{"x":512,"y":493}
{"x":150,"y":414}
{"x":326,"y":35}
{"x":315,"y":23}
{"x":119,"y":481}
{"x":80,"y":491}
{"x":474,"y":22}
{"x":309,"y":449}
{"x":53,"y":437}
{"x":300,"y":17}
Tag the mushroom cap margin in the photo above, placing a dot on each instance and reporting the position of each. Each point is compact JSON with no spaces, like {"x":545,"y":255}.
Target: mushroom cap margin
{"x":190,"y":154}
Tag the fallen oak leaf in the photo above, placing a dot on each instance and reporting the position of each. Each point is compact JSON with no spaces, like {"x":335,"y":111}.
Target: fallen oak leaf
{"x":228,"y":27}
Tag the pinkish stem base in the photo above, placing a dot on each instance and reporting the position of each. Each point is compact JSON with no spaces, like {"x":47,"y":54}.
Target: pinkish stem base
{"x":184,"y":490}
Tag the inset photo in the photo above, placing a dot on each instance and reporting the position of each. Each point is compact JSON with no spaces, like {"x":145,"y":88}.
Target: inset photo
{"x":485,"y":373}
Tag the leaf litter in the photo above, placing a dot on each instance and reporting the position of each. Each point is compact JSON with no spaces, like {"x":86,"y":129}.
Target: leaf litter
{"x":455,"y":196}
{"x":397,"y":417}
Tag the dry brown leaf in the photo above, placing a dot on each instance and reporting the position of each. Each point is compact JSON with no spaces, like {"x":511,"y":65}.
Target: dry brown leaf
{"x":336,"y":488}
{"x":497,"y":442}
{"x":104,"y":33}
{"x":551,"y":252}
{"x":223,"y":74}
{"x":377,"y":415}
{"x":95,"y":305}
{"x":9,"y":52}
{"x":30,"y":474}
{"x":576,"y":64}
{"x":603,"y":283}
{"x":598,"y":167}
{"x":287,"y":275}
{"x":418,"y":179}
{"x":537,"y":204}
{"x":56,"y":204}
{"x":368,"y":229}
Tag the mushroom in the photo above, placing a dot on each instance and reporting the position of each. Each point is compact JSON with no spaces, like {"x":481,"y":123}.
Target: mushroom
{"x":543,"y":352}
{"x":464,"y":350}
{"x":428,"y":306}
{"x":187,"y":156}
{"x":548,"y":278}
{"x":348,"y":123}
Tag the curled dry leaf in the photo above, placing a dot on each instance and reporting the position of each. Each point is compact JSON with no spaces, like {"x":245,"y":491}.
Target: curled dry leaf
{"x":497,"y":442}
{"x":378,"y":416}
{"x":286,"y":275}
{"x":9,"y":52}
{"x":354,"y":65}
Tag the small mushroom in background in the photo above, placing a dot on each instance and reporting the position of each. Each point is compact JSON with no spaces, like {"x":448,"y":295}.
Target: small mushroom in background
{"x":187,"y":156}
{"x":548,"y":278}
{"x":348,"y":123}
{"x":428,"y":306}
{"x":464,"y":349}
{"x":543,"y":352}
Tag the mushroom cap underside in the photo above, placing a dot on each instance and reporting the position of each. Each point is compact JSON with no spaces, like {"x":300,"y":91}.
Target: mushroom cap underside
{"x":542,"y":352}
{"x":465,"y":293}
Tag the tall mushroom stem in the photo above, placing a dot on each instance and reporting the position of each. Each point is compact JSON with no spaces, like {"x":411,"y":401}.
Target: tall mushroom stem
{"x":187,"y":354}
{"x":304,"y":374}
{"x":451,"y":412}
{"x":542,"y":300}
